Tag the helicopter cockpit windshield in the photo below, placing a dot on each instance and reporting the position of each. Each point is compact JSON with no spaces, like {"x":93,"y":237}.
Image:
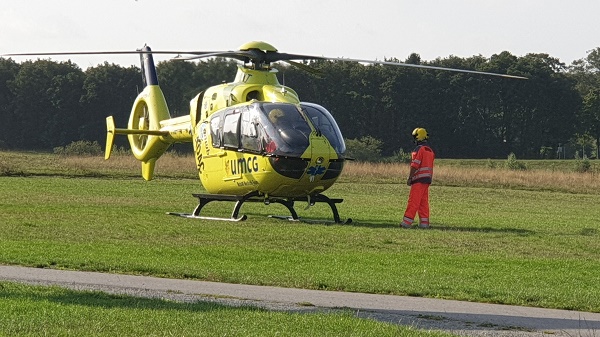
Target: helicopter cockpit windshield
{"x":286,"y":131}
{"x":287,"y":128}
{"x":324,"y":123}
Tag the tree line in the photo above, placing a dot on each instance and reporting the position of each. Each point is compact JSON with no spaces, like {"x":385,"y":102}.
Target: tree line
{"x":46,"y":104}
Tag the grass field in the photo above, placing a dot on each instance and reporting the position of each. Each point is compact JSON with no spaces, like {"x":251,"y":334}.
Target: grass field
{"x":52,"y":311}
{"x":525,"y":238}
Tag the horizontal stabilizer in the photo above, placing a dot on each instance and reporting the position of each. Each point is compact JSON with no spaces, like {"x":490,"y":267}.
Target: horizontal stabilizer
{"x":111,"y":131}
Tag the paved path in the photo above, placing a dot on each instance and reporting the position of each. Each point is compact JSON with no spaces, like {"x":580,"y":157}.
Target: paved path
{"x":463,"y":318}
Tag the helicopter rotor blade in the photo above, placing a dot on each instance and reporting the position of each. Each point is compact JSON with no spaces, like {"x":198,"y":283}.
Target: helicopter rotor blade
{"x":276,"y":56}
{"x":259,"y":56}
{"x":400,"y":64}
{"x":95,"y":53}
{"x":199,"y":55}
{"x":254,"y":55}
{"x":305,"y":67}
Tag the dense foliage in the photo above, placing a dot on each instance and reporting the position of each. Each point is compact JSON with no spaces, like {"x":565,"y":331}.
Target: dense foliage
{"x":45,"y":104}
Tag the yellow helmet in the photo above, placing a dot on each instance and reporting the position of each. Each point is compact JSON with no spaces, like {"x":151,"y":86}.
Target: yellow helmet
{"x":275,"y":114}
{"x":420,"y":134}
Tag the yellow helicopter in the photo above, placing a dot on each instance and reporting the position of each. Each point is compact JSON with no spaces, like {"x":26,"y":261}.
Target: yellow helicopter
{"x":254,"y":139}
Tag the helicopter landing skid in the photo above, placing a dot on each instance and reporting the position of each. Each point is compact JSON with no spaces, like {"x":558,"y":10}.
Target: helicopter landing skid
{"x":192,"y":216}
{"x":315,"y":221}
{"x":204,"y":199}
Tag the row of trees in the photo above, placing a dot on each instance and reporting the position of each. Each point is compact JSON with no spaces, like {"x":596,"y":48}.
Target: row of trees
{"x":45,"y":104}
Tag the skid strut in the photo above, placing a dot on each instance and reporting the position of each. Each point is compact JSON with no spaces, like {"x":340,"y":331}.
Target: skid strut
{"x":204,"y":199}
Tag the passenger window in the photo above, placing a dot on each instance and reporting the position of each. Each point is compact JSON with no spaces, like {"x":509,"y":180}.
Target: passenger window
{"x":249,"y":132}
{"x":230,"y":130}
{"x":215,"y":131}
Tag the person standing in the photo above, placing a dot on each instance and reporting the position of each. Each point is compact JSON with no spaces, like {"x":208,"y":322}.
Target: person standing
{"x":419,"y":179}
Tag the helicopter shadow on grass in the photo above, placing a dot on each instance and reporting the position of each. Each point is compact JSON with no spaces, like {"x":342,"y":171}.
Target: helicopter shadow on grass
{"x":383,"y":224}
{"x":516,"y":231}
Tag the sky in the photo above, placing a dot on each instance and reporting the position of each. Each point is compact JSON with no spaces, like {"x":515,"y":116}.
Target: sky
{"x":367,"y":29}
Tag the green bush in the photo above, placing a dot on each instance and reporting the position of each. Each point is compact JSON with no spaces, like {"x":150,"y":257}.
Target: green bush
{"x":399,"y":157}
{"x":8,"y":170}
{"x":546,"y":152}
{"x":513,"y":164}
{"x":582,"y":165}
{"x":121,"y":151}
{"x":364,"y":149}
{"x":80,"y":148}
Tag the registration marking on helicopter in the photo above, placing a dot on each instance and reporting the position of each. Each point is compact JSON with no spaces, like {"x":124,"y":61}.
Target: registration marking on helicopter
{"x":247,"y":183}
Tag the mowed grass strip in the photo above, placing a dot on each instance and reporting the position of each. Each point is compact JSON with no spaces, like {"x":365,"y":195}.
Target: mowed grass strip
{"x":52,"y":311}
{"x":521,"y":247}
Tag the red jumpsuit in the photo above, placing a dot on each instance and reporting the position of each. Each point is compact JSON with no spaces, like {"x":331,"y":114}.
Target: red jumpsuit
{"x":418,"y":199}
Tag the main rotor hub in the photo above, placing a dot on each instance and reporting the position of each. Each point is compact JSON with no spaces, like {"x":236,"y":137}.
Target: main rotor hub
{"x":258,"y":45}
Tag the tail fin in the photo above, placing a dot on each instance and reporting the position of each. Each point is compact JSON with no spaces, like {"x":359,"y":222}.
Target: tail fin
{"x":148,"y":69}
{"x":150,"y":129}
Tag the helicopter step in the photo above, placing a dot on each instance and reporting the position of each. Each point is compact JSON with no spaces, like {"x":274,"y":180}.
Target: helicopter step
{"x":204,"y":199}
